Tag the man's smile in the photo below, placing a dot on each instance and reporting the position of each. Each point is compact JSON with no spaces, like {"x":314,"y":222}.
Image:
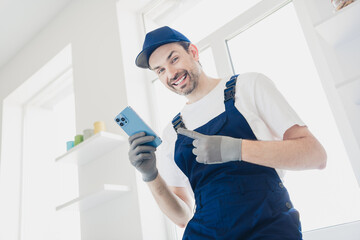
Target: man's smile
{"x":180,"y":80}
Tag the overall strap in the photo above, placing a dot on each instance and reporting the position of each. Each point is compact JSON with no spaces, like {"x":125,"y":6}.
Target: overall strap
{"x":178,"y":122}
{"x":229,"y":92}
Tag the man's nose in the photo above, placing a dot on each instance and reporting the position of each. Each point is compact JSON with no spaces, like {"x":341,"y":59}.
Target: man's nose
{"x":172,"y":73}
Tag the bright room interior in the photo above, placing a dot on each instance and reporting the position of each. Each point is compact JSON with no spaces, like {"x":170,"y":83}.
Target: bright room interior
{"x":67,"y":64}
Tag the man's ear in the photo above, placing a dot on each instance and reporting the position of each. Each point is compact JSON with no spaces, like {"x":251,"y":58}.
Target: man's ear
{"x":194,"y":52}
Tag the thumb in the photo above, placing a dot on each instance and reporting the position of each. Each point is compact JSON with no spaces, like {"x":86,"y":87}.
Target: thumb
{"x":189,"y":133}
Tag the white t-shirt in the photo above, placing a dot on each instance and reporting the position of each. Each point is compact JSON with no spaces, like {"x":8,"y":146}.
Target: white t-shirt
{"x":256,"y":98}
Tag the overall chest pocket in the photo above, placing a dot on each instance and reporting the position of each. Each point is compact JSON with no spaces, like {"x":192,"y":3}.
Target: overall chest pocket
{"x":213,"y":127}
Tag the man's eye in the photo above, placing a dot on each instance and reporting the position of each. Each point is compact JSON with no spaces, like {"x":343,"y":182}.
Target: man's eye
{"x":174,"y":59}
{"x":160,"y":70}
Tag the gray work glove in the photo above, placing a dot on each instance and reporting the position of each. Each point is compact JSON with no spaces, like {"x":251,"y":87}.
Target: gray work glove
{"x":213,"y":149}
{"x":142,"y":157}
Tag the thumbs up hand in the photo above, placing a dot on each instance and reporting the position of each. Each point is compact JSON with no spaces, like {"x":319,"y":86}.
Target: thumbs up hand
{"x":213,"y":149}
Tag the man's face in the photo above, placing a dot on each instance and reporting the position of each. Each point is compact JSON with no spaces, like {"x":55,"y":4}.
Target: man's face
{"x":176,"y":68}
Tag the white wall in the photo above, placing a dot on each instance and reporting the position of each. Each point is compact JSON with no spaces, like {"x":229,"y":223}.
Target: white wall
{"x":10,"y":180}
{"x":91,"y":28}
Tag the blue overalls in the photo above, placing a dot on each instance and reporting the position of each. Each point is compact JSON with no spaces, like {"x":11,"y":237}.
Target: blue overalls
{"x":234,"y":200}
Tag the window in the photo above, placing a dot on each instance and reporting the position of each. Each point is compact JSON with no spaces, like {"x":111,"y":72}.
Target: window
{"x":38,"y":119}
{"x":195,"y":18}
{"x":49,"y":122}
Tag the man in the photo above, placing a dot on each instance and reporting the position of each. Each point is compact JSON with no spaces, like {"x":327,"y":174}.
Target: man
{"x":230,"y":141}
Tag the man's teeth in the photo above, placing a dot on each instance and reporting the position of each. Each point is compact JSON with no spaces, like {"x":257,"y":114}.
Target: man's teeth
{"x":180,"y":80}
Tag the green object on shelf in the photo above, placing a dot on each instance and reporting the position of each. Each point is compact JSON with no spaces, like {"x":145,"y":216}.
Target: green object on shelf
{"x":78,"y":139}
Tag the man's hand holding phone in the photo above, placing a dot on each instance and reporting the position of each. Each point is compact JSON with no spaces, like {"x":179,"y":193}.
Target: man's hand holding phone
{"x":143,"y":143}
{"x":142,"y":157}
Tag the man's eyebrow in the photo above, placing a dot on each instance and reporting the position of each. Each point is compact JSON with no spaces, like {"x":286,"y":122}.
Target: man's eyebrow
{"x":171,"y":53}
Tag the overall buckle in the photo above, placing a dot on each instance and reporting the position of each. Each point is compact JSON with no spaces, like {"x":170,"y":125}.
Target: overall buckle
{"x":178,"y":122}
{"x":229,"y":93}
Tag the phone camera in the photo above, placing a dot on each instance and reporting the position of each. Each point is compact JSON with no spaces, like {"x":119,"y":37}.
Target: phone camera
{"x":122,"y":119}
{"x":117,"y":120}
{"x":121,"y":124}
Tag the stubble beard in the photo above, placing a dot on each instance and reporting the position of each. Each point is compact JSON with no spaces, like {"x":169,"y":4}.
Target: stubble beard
{"x":192,"y":83}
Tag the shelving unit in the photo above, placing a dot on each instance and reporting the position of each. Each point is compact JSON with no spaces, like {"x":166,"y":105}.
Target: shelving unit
{"x":92,"y":148}
{"x":349,"y":81}
{"x":348,"y":57}
{"x":341,"y":26}
{"x":107,"y":193}
{"x":334,"y":40}
{"x":342,"y":32}
{"x":89,"y":150}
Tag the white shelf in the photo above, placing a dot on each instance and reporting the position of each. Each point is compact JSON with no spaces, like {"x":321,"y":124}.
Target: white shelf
{"x":92,"y":148}
{"x":342,"y":26}
{"x":106,"y":193}
{"x":348,"y":82}
{"x":351,"y":91}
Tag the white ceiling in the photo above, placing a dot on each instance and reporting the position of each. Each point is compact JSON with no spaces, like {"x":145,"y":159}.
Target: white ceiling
{"x":22,"y":20}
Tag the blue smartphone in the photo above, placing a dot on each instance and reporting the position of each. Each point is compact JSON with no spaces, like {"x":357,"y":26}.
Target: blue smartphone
{"x":132,"y":123}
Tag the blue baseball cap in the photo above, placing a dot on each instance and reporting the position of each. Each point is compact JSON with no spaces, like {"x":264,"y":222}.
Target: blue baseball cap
{"x":155,"y":39}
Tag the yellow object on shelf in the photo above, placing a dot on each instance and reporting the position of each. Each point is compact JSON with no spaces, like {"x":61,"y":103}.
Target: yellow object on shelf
{"x":99,"y":126}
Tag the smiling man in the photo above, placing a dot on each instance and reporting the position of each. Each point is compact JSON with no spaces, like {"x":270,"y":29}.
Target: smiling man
{"x":230,"y":143}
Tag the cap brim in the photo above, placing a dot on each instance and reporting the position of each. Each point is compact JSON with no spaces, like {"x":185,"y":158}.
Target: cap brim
{"x":142,"y":60}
